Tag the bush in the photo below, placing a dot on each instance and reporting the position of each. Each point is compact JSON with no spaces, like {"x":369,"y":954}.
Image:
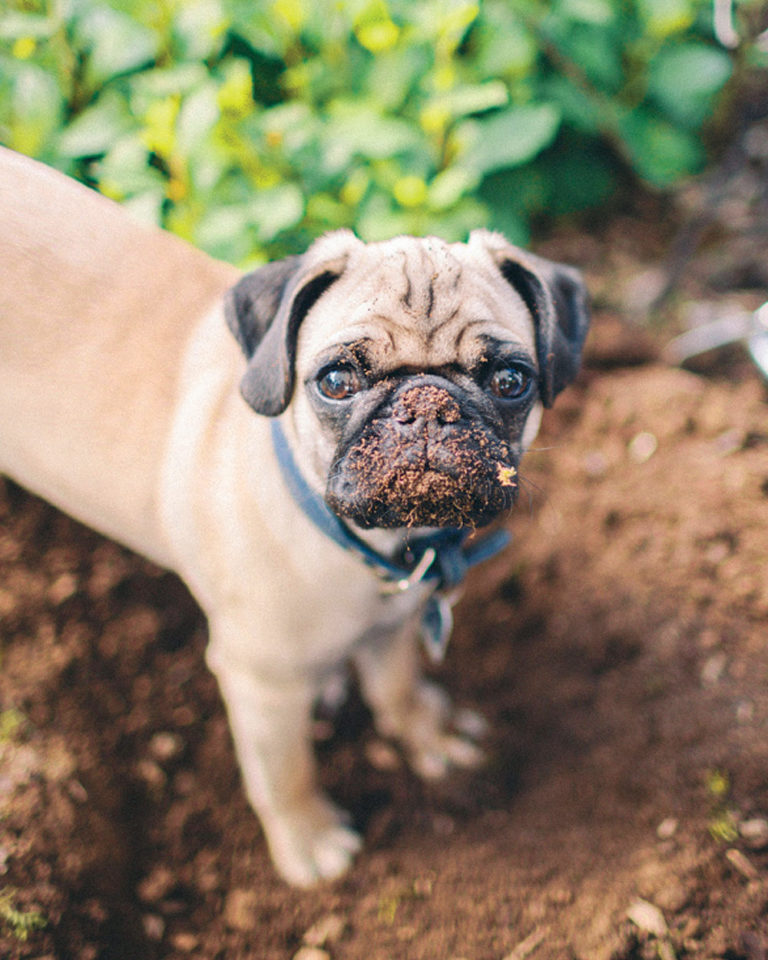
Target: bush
{"x":251,"y":126}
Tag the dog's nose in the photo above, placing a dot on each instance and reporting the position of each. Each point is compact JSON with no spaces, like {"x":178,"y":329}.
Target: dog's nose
{"x":428,"y":403}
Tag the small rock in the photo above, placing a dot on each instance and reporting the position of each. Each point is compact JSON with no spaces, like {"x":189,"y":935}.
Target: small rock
{"x":672,"y":897}
{"x":643,"y":446}
{"x":665,"y":951}
{"x":713,"y":669}
{"x":745,"y":711}
{"x":382,"y":756}
{"x":154,"y":926}
{"x":526,"y":947}
{"x":62,"y":588}
{"x":185,"y":942}
{"x":667,"y":828}
{"x":754,"y":832}
{"x":327,"y":930}
{"x":311,"y":953}
{"x":741,"y":863}
{"x":155,"y":886}
{"x":240,"y":909}
{"x":165,"y":746}
{"x":151,"y":773}
{"x":648,"y":918}
{"x":595,"y":463}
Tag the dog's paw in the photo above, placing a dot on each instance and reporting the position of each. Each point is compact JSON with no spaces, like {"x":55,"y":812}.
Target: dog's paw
{"x":312,"y":842}
{"x":438,"y":737}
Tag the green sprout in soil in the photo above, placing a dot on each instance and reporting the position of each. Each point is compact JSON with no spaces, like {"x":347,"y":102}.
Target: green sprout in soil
{"x":11,"y":723}
{"x":20,"y":923}
{"x":723,"y":822}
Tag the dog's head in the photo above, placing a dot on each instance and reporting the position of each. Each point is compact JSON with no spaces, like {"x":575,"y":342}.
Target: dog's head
{"x":414,"y":370}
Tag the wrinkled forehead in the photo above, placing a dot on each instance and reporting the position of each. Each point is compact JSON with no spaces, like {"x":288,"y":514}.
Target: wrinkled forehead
{"x":418,"y":301}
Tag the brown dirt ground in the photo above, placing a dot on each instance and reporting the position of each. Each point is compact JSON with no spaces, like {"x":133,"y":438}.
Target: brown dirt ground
{"x":618,"y":649}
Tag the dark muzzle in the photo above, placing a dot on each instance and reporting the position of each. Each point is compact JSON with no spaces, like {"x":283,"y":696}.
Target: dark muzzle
{"x":426,"y":458}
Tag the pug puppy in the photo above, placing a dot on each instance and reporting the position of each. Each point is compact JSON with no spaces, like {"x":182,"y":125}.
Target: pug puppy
{"x":308,"y":448}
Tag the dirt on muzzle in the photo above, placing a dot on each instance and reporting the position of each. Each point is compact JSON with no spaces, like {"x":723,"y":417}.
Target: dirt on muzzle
{"x":423,"y":466}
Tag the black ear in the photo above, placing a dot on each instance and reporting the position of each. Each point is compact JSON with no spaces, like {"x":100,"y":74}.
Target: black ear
{"x":264,"y":311}
{"x":250,"y":306}
{"x":557,"y":298}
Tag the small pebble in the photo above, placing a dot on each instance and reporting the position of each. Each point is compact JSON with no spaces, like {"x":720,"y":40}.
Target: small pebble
{"x":595,"y":463}
{"x":741,"y":863}
{"x":151,"y":773}
{"x":471,"y":723}
{"x":240,"y":909}
{"x":165,"y":746}
{"x":381,"y":755}
{"x":745,"y":711}
{"x":643,"y":446}
{"x":185,"y":942}
{"x":526,"y":947}
{"x":154,"y":926}
{"x":755,"y":832}
{"x":311,"y":953}
{"x":155,"y":886}
{"x":667,"y":828}
{"x":713,"y":669}
{"x":328,"y":929}
{"x":649,"y":918}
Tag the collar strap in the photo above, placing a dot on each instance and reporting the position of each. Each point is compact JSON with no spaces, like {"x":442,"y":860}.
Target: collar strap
{"x":442,"y":558}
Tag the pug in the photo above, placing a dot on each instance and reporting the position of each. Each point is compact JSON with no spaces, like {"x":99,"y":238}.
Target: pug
{"x":314,"y":447}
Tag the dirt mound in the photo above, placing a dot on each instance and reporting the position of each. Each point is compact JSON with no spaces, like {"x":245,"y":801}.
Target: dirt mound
{"x":618,"y":649}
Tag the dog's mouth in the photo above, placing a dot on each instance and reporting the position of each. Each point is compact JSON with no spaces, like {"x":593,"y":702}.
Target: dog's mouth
{"x":423,"y":465}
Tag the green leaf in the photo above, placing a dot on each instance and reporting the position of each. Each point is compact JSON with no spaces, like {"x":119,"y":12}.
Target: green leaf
{"x":159,"y":82}
{"x":14,"y":25}
{"x":275,"y":210}
{"x":470,"y":98}
{"x":96,"y":129}
{"x":379,"y":221}
{"x":587,"y":11}
{"x":116,"y":44}
{"x":580,"y":110}
{"x":198,"y":115}
{"x":507,"y":139}
{"x":360,"y":130}
{"x":449,"y":186}
{"x":199,"y":27}
{"x":225,"y":232}
{"x":392,"y":75}
{"x":662,"y":18}
{"x":505,"y":45}
{"x":660,"y":152}
{"x":684,"y":80}
{"x":124,"y":170}
{"x":36,"y":106}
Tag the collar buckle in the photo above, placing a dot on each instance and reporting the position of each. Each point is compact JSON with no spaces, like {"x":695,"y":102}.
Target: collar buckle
{"x":416,"y":575}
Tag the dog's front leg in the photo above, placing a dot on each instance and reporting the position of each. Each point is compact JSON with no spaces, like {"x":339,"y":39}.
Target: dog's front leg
{"x":270,"y":721}
{"x":413,"y":710}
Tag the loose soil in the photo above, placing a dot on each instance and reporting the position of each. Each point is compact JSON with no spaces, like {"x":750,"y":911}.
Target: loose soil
{"x":617,"y":648}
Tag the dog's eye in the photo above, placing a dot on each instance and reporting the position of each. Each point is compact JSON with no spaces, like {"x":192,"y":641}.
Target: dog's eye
{"x":509,"y":383}
{"x":339,"y":383}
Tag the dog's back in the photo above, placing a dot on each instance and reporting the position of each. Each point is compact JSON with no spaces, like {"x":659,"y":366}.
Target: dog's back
{"x":95,"y":312}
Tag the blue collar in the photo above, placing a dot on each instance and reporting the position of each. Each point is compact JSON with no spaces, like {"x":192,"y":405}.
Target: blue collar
{"x":441,"y":559}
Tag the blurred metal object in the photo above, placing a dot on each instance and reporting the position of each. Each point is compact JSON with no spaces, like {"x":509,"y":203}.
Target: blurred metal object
{"x":757,"y":344}
{"x":739,"y":326}
{"x":723,"y":24}
{"x":722,"y":20}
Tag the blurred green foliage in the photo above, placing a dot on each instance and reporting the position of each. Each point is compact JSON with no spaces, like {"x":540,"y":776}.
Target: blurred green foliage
{"x":251,"y":126}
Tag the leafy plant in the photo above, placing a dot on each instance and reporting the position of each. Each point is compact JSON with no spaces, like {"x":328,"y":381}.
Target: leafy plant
{"x":20,"y":923}
{"x":251,"y":126}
